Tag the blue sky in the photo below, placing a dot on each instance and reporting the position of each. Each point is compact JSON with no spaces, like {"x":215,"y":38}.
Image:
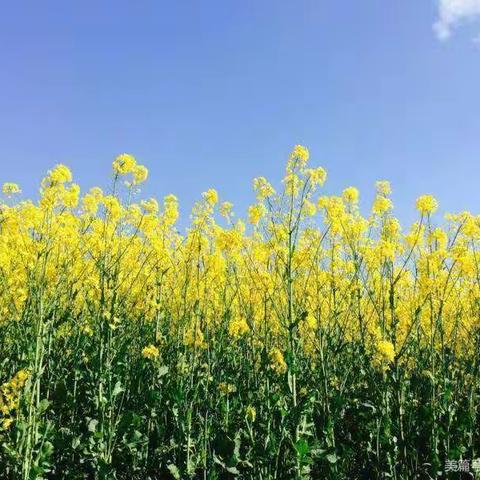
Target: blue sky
{"x":213,"y":93}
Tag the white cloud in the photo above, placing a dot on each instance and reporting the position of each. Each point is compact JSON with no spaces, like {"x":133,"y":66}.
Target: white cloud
{"x":452,"y":13}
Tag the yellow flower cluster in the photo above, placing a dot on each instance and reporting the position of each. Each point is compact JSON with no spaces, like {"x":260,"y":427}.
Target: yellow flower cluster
{"x":226,"y":388}
{"x":386,"y":351}
{"x":255,"y":213}
{"x":10,"y":188}
{"x":277,"y":361}
{"x":125,"y":164}
{"x":150,"y":352}
{"x":350,"y":195}
{"x":10,"y":393}
{"x":238,"y":327}
{"x":426,"y":204}
{"x":301,"y":252}
{"x":250,"y":413}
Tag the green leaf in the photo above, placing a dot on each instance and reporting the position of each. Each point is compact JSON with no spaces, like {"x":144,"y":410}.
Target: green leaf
{"x":117,"y":389}
{"x":302,"y":447}
{"x":43,"y":406}
{"x":332,"y":458}
{"x":237,"y":443}
{"x":92,"y":425}
{"x":47,"y":449}
{"x":174,"y":471}
{"x":233,"y":470}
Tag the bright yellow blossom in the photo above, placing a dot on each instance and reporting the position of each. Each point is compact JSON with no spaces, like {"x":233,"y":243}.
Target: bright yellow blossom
{"x":383,"y":187}
{"x":124,"y":164}
{"x":386,"y":351}
{"x":426,"y":204}
{"x":10,"y":188}
{"x":211,"y":196}
{"x":250,"y":413}
{"x":277,"y":362}
{"x":255,"y":213}
{"x":350,"y":195}
{"x":299,"y":154}
{"x":238,"y":327}
{"x":140,"y":174}
{"x":150,"y":352}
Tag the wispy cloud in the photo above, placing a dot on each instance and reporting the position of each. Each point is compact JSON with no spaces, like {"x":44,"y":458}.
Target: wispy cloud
{"x":452,"y":13}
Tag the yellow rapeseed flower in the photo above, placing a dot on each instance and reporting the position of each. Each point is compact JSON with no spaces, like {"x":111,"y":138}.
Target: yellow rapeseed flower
{"x":250,"y":413}
{"x":317,"y":176}
{"x":299,"y":154}
{"x":426,"y":204}
{"x":226,"y":388}
{"x":383,"y":187}
{"x":151,"y":352}
{"x":140,"y":174}
{"x":9,"y":188}
{"x":255,"y":213}
{"x":381,"y":205}
{"x":386,"y":351}
{"x":350,"y":195}
{"x":226,"y":209}
{"x":124,"y":164}
{"x":238,"y":327}
{"x":263,"y":188}
{"x":211,"y":196}
{"x":277,"y":362}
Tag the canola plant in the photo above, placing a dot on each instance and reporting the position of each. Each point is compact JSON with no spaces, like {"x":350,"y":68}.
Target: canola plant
{"x":308,"y":341}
